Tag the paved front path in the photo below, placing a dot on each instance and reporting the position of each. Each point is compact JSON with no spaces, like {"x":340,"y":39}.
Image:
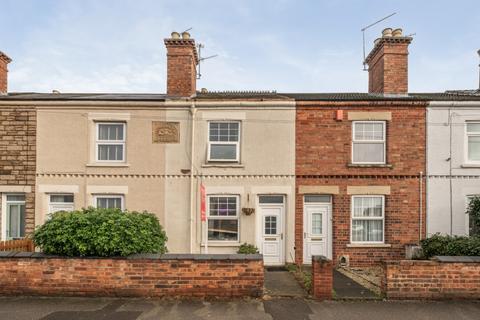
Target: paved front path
{"x":276,"y":309}
{"x":282,"y":284}
{"x":346,"y":288}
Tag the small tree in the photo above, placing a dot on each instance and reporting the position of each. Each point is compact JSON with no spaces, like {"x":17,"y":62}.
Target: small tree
{"x":473,"y":212}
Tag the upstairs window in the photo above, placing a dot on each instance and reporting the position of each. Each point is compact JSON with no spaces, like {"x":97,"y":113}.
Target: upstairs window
{"x":110,"y":142}
{"x":368,"y":142}
{"x":473,"y":142}
{"x":224,"y":141}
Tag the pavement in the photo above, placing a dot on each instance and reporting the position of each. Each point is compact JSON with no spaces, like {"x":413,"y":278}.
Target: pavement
{"x":34,"y":308}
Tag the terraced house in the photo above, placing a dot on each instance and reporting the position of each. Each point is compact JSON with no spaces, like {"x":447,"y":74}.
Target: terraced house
{"x":297,"y":174}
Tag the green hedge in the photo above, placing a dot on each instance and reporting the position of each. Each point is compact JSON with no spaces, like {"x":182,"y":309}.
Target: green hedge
{"x":439,"y":245}
{"x":101,"y":232}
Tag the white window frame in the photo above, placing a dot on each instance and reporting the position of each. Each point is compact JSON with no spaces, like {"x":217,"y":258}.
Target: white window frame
{"x":121,"y":196}
{"x":467,"y":135}
{"x":51,"y":204}
{"x":384,"y":141}
{"x":352,"y":218}
{"x":4,"y":208}
{"x":237,"y":143}
{"x":110,"y":142}
{"x":236,"y":217}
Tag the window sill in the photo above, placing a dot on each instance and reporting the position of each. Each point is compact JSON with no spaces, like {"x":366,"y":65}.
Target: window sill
{"x":223,"y":165}
{"x":470,"y":165}
{"x":108,"y":164}
{"x":369,"y":245}
{"x":221,"y":244}
{"x":371,"y":165}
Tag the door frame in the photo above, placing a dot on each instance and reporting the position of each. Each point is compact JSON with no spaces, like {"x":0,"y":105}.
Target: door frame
{"x":328,"y":205}
{"x":259,"y":223}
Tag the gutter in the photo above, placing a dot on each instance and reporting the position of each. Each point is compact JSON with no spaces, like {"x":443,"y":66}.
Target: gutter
{"x":450,"y":104}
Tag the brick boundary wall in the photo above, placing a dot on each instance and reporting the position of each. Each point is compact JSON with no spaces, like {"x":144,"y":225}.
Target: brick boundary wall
{"x":322,"y":278}
{"x":438,"y":279}
{"x":152,"y":275}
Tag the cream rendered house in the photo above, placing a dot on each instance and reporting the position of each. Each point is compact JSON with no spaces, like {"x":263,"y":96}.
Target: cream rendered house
{"x":231,"y":153}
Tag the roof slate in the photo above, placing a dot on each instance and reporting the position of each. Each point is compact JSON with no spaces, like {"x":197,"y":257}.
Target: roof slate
{"x":461,"y":95}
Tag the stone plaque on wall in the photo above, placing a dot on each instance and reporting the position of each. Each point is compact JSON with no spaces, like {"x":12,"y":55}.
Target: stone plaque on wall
{"x":165,"y":132}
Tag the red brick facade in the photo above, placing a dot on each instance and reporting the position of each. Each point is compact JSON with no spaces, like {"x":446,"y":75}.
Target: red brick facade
{"x":181,"y":67}
{"x":322,"y":278}
{"x":147,"y":276}
{"x":431,"y":280}
{"x":323,"y":158}
{"x":18,"y":156}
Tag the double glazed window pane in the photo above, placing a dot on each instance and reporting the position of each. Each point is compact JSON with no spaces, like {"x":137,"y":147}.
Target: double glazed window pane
{"x":16,"y":220}
{"x":223,"y":206}
{"x":367,"y":230}
{"x":223,"y":230}
{"x":223,"y":151}
{"x":224,"y":131}
{"x":368,"y":152}
{"x":369,"y":131}
{"x":61,"y":198}
{"x":112,"y":152}
{"x":109,"y":203}
{"x":474,"y":148}
{"x":367,"y":207}
{"x":110,"y":132}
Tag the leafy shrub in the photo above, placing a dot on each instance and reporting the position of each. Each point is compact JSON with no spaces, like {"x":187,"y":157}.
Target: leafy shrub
{"x":246,"y":248}
{"x":473,"y":212}
{"x":439,"y":245}
{"x":101,"y":232}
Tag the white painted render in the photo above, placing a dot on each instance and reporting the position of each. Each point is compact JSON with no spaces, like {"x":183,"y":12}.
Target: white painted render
{"x":450,"y":178}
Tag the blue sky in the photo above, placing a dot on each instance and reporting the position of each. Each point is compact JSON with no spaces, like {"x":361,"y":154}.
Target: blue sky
{"x":283,"y":45}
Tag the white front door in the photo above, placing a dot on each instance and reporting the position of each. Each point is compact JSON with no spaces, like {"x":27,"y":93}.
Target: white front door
{"x":271,"y":234}
{"x":316,"y":231}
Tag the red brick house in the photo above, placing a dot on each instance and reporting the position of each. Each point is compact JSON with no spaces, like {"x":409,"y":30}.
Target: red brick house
{"x":360,"y":160}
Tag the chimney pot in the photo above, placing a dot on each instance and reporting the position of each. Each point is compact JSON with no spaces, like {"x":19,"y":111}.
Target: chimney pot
{"x":377,"y":41}
{"x":387,"y":32}
{"x":185,"y":35}
{"x":397,"y":32}
{"x":175,"y":35}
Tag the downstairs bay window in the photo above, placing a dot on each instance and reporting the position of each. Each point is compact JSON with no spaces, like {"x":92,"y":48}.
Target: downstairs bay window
{"x":223,"y":218}
{"x":368,"y":219}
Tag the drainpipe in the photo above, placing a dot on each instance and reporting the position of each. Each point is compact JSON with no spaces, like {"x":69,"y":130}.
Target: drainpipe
{"x":420,"y":176}
{"x":450,"y":168}
{"x":193,"y":111}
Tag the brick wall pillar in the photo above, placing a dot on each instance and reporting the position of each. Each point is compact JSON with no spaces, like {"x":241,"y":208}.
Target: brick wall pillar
{"x":322,"y":278}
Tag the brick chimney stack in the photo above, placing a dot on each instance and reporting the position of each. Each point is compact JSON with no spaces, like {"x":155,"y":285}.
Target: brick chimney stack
{"x":4,"y":61}
{"x":388,"y":63}
{"x":182,"y":59}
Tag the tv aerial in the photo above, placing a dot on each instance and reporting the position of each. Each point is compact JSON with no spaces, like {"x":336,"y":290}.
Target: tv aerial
{"x":363,"y":36}
{"x":201,"y":59}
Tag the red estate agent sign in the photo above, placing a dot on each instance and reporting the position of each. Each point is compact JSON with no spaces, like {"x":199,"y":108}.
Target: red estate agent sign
{"x":203,"y":205}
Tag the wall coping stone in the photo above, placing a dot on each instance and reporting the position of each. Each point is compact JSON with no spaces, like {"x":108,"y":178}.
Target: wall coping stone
{"x":463,"y":259}
{"x":168,"y":256}
{"x":320,"y":258}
